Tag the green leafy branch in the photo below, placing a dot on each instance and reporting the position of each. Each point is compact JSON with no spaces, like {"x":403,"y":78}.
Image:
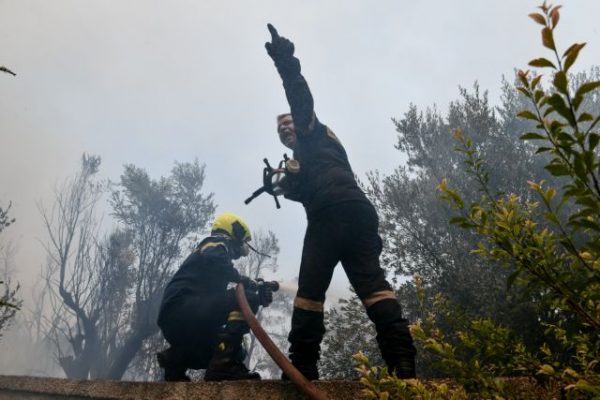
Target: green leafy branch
{"x":380,"y":385}
{"x":575,"y":152}
{"x":557,"y":261}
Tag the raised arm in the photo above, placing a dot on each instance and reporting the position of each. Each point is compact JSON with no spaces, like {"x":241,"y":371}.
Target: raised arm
{"x":281,"y":50}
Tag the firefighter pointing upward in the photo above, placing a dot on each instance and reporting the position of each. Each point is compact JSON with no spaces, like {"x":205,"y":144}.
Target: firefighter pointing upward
{"x":342,"y":226}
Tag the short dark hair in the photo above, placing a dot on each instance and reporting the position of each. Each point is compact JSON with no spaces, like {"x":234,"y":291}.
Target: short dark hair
{"x":281,"y":116}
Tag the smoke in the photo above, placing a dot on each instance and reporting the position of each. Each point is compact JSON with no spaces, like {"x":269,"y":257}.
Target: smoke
{"x":334,"y":293}
{"x":24,"y":353}
{"x":288,"y":288}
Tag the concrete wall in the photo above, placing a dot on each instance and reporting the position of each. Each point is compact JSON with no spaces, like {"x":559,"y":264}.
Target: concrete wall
{"x":30,"y":388}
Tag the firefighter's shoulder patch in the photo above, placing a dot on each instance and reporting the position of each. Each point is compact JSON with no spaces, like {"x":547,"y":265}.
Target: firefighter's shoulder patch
{"x":333,"y":136}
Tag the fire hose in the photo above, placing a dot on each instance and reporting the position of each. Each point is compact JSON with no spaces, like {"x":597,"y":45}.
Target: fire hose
{"x":295,"y":376}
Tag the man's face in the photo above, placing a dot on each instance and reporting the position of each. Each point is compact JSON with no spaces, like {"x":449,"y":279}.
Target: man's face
{"x":286,"y":131}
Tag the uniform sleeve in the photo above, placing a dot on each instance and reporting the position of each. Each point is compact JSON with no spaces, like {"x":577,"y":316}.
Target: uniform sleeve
{"x":298,"y":95}
{"x":301,"y":103}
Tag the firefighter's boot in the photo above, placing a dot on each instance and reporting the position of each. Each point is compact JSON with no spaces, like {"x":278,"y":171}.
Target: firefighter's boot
{"x":305,"y":361}
{"x":403,"y":366}
{"x":310,"y":372}
{"x":305,"y":338}
{"x":172,"y":361}
{"x":227,"y":362}
{"x":393,"y":337}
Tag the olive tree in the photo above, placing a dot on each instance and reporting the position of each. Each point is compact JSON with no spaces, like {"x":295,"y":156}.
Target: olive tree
{"x":107,"y":288}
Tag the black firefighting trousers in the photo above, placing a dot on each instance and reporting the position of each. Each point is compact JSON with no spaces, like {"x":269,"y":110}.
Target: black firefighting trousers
{"x":346,"y":233}
{"x":192,"y":324}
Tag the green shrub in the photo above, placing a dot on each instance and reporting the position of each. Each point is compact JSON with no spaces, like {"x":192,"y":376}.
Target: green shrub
{"x":552,"y":243}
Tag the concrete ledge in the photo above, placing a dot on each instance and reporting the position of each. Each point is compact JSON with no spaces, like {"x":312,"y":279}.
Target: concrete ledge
{"x":31,"y":388}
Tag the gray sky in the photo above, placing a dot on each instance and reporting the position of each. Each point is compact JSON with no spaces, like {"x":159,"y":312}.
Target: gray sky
{"x":151,"y":82}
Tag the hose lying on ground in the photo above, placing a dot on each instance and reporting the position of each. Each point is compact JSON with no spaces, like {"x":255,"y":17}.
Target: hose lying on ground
{"x":295,"y":376}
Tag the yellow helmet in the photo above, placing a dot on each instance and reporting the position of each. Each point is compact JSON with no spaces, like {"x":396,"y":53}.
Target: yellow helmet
{"x":232,"y":225}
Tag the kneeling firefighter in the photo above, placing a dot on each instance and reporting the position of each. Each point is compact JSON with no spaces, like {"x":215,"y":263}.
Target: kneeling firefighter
{"x":200,"y":317}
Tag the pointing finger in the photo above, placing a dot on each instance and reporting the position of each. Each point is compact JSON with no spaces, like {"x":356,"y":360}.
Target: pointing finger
{"x":274,"y":34}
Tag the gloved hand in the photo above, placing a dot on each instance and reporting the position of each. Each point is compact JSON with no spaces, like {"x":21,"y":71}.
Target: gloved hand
{"x":249,"y":284}
{"x":281,"y":50}
{"x":265,"y":293}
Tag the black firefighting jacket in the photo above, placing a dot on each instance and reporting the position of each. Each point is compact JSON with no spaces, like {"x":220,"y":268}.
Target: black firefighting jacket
{"x":205,"y":272}
{"x":325,"y":176}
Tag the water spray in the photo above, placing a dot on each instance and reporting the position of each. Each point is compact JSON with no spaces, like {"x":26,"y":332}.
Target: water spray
{"x":289,"y":288}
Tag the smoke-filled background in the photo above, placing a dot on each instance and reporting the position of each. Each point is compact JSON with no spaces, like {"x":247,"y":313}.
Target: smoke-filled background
{"x":149,"y":83}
